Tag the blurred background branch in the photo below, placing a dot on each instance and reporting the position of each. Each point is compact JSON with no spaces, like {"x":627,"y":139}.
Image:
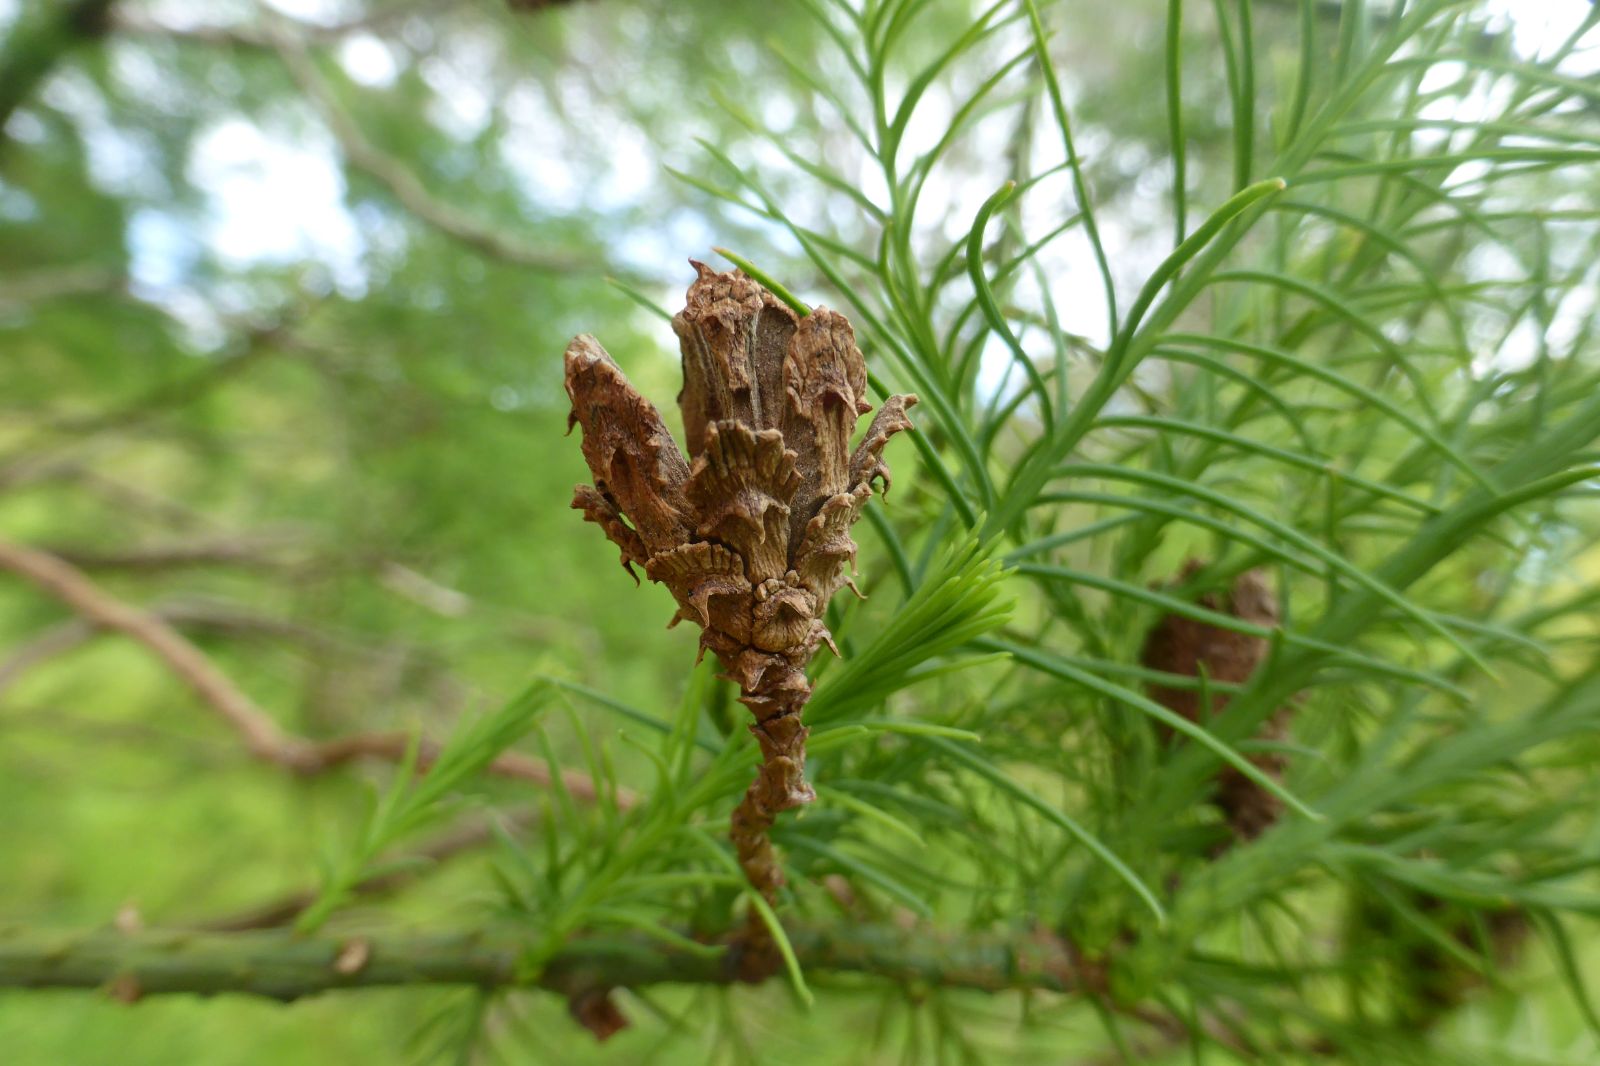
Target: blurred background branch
{"x":392,"y":174}
{"x":263,"y":738}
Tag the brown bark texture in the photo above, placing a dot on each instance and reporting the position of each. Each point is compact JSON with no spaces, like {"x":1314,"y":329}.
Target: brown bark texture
{"x":750,"y":532}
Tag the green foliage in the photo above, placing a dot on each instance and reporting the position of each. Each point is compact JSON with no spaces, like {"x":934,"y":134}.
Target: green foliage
{"x":410,"y":805}
{"x":957,"y":599}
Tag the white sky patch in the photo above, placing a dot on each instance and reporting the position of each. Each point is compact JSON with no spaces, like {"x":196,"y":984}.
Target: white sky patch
{"x":534,"y":148}
{"x":997,"y":369}
{"x":663,"y":251}
{"x":162,"y":249}
{"x":24,"y":127}
{"x":778,"y":113}
{"x":140,"y":75}
{"x":122,"y":162}
{"x":1539,"y":26}
{"x":279,"y":199}
{"x":272,"y":200}
{"x":15,"y":204}
{"x":1518,"y":352}
{"x":631,"y":170}
{"x":368,"y":61}
{"x":325,"y":12}
{"x":458,"y":107}
{"x":1571,"y":315}
{"x":927,"y":125}
{"x":461,"y":79}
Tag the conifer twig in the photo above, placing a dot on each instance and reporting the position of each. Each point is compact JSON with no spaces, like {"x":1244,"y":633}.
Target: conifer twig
{"x":283,"y":966}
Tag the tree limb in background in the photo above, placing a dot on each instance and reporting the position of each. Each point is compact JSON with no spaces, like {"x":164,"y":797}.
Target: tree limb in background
{"x":48,"y":645}
{"x":252,"y":550}
{"x":264,"y":739}
{"x":88,"y":432}
{"x":367,"y":157}
{"x":250,"y":35}
{"x":262,"y":736}
{"x":19,"y":291}
{"x":218,"y":617}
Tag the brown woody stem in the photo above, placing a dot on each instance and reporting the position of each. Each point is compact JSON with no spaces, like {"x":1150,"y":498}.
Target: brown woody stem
{"x":777,"y":702}
{"x":285,"y":966}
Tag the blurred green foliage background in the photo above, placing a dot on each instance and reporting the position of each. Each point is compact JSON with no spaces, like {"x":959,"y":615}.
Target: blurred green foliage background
{"x":283,"y":294}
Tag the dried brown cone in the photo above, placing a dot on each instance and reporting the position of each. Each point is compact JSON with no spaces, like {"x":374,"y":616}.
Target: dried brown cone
{"x":1430,"y":980}
{"x":1435,"y":981}
{"x":751,"y":533}
{"x":1178,"y":645}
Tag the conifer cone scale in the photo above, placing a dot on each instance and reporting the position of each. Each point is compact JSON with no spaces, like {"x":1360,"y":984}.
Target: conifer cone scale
{"x":1185,"y":646}
{"x":750,"y":532}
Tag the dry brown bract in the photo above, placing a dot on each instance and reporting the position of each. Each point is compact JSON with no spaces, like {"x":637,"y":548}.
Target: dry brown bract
{"x":752,"y":532}
{"x":1178,"y":645}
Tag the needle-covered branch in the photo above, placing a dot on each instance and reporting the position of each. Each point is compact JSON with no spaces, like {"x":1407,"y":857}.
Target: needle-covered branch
{"x":284,"y":966}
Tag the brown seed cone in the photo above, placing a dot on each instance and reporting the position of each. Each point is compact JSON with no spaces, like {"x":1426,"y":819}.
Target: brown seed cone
{"x":1178,"y":645}
{"x":751,"y":533}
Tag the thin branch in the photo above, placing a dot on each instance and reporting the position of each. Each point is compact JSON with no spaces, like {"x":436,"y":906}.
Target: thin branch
{"x":19,"y":291}
{"x":130,"y":500}
{"x":209,"y":615}
{"x":250,"y":35}
{"x":255,"y":551}
{"x":283,"y":966}
{"x":262,"y":736}
{"x":259,"y":341}
{"x":466,"y":837}
{"x":91,"y":432}
{"x":317,"y":756}
{"x":50,"y":644}
{"x":367,"y":157}
{"x":264,"y":739}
